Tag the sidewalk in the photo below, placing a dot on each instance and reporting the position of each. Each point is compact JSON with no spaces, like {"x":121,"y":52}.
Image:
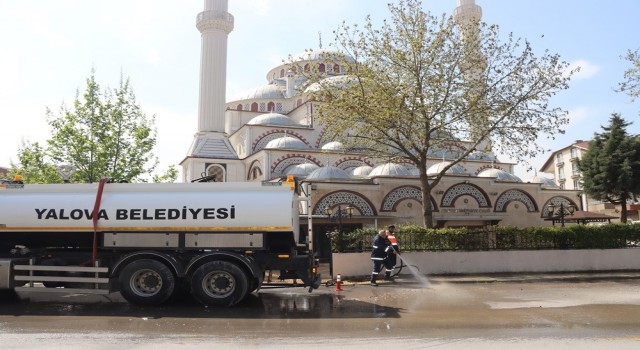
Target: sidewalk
{"x":508,"y":278}
{"x":535,"y":277}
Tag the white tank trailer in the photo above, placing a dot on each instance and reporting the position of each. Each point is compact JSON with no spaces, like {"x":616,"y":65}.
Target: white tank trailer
{"x":150,"y":240}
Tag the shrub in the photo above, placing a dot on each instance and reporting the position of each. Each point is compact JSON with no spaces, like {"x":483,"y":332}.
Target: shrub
{"x":418,"y":238}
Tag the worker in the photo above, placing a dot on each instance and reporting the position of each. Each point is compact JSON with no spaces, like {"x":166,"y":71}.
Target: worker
{"x":378,"y":255}
{"x":392,"y":251}
{"x":17,"y":179}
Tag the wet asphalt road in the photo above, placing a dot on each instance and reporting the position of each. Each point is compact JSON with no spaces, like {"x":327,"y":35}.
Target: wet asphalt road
{"x":521,"y":312}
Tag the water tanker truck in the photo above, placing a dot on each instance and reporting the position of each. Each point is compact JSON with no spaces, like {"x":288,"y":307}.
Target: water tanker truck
{"x":149,"y":241}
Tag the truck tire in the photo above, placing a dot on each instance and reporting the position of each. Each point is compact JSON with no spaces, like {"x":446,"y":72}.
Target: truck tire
{"x":146,"y":282}
{"x":53,"y":262}
{"x":219,"y":283}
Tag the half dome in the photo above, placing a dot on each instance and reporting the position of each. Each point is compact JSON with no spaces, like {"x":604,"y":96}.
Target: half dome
{"x":271,"y":119}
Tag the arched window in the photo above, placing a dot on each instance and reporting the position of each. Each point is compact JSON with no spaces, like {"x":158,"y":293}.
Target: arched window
{"x":271,"y":107}
{"x":239,"y":107}
{"x":254,"y":107}
{"x":336,"y":68}
{"x":307,"y":68}
{"x":321,"y":68}
{"x":282,"y":73}
{"x":298,"y":102}
{"x":256,"y":173}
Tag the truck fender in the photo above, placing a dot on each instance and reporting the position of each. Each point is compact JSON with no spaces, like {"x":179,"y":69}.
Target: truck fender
{"x":173,"y":264}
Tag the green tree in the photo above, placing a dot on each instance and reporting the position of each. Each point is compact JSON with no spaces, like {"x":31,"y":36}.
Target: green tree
{"x":33,"y":165}
{"x":631,"y":83}
{"x":170,"y":175}
{"x":104,"y":135}
{"x":421,"y":87}
{"x":611,"y":167}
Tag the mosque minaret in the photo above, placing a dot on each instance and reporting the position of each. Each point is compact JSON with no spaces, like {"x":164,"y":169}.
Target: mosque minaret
{"x":210,"y":142}
{"x":215,"y":24}
{"x":270,"y":131}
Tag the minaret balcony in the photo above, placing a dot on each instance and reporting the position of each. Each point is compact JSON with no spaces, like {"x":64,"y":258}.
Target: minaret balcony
{"x":214,"y":20}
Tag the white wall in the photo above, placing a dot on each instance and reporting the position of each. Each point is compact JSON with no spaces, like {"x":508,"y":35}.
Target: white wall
{"x":540,"y":261}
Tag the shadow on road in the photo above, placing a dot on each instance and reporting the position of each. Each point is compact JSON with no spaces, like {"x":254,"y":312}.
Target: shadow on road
{"x":263,"y":305}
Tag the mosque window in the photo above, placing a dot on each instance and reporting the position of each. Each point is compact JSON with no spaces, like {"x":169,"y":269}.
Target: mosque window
{"x":321,"y":68}
{"x":218,"y":171}
{"x":254,"y":107}
{"x":271,"y":106}
{"x":239,"y":106}
{"x":256,"y":173}
{"x":282,"y":73}
{"x":307,"y":68}
{"x":336,"y":68}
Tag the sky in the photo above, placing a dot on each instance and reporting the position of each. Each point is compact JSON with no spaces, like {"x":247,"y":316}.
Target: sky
{"x":48,"y":49}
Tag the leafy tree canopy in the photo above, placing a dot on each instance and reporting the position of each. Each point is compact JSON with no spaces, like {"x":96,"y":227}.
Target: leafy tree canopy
{"x":631,"y":83}
{"x":104,"y":134}
{"x":611,"y":167}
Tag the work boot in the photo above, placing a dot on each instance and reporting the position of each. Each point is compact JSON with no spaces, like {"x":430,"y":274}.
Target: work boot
{"x":388,"y":277}
{"x":373,"y":281}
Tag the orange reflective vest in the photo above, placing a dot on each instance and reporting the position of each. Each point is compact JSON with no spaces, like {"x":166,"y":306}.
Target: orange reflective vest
{"x":394,"y":242}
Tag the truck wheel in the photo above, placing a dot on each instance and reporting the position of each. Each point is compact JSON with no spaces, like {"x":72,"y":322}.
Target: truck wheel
{"x":146,"y":282}
{"x":53,"y":262}
{"x":219,"y":283}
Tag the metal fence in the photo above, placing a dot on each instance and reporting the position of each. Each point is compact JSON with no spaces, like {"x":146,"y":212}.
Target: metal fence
{"x":614,"y":236}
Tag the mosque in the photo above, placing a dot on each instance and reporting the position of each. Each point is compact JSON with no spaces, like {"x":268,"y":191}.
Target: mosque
{"x":270,"y":132}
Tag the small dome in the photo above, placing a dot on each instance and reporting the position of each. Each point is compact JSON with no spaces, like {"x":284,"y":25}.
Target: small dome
{"x":545,"y":181}
{"x":270,"y":91}
{"x":413,"y":171}
{"x":328,"y":173}
{"x":389,"y":169}
{"x":271,"y":119}
{"x":457,"y":169}
{"x":479,"y":155}
{"x":302,"y":170}
{"x":286,"y":142}
{"x":500,"y":175}
{"x":333,"y":146}
{"x":361,"y":171}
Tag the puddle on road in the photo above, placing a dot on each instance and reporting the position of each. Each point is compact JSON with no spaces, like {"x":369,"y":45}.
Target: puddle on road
{"x":266,"y":305}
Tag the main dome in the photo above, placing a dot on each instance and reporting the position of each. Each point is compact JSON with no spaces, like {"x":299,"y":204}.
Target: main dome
{"x":264,"y":92}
